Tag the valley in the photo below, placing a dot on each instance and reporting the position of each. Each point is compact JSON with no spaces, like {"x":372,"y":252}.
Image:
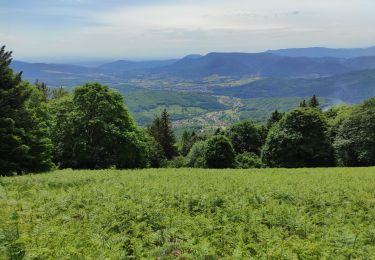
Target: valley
{"x":218,"y":89}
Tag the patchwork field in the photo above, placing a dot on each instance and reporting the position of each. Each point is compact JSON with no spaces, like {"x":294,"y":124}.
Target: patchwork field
{"x":189,"y":214}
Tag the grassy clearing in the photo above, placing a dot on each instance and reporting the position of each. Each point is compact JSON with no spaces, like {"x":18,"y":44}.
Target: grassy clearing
{"x":190,"y":214}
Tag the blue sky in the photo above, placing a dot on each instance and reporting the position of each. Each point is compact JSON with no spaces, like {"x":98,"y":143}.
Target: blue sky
{"x":141,"y":29}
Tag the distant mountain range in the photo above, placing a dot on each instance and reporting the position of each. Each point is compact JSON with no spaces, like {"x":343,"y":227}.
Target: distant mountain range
{"x":346,"y":74}
{"x":126,"y":65}
{"x":320,"y":52}
{"x":262,"y":64}
{"x":304,"y":62}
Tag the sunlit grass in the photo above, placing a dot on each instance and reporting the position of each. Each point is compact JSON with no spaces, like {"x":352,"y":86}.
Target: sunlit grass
{"x":189,"y":213}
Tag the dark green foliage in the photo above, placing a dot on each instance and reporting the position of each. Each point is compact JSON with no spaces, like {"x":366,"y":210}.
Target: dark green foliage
{"x":313,"y":102}
{"x":245,"y":137}
{"x":300,"y":139}
{"x":177,"y":162}
{"x":219,"y":152}
{"x":263,"y":132}
{"x":274,"y":118}
{"x":247,"y":160}
{"x":355,"y":141}
{"x":219,"y":131}
{"x":336,"y":116}
{"x":303,"y":104}
{"x":59,"y":92}
{"x":187,"y":141}
{"x":156,"y":157}
{"x":24,"y":136}
{"x":39,"y":158}
{"x":43,"y":88}
{"x":196,"y":157}
{"x":93,"y":129}
{"x":161,"y":130}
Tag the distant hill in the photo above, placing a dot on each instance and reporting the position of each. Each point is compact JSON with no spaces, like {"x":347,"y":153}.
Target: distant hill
{"x":126,"y":65}
{"x":319,"y":52}
{"x":351,"y":87}
{"x":34,"y":68}
{"x":232,"y":74}
{"x":262,"y":64}
{"x":193,"y":67}
{"x":57,"y":74}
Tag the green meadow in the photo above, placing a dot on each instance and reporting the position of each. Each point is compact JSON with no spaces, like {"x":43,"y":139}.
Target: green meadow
{"x":326,"y":213}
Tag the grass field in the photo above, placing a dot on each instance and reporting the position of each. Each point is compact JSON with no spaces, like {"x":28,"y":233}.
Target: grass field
{"x":189,"y":214}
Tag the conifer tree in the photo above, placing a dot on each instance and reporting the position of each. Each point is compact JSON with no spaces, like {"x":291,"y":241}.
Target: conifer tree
{"x":303,"y":104}
{"x":274,"y":118}
{"x":161,"y":130}
{"x":43,"y":88}
{"x":187,"y":141}
{"x":25,"y":145}
{"x":313,"y":102}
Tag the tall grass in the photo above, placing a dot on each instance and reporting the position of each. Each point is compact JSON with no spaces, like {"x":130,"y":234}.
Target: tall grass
{"x":189,"y":214}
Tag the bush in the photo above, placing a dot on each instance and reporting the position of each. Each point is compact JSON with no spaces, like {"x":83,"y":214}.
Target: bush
{"x":219,"y":152}
{"x":247,"y":161}
{"x":177,"y":162}
{"x":300,"y":139}
{"x":196,"y":157}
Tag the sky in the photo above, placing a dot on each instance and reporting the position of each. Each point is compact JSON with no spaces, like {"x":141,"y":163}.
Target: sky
{"x":157,"y":29}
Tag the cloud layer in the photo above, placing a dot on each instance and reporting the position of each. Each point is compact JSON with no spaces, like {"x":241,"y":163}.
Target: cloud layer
{"x":158,"y":29}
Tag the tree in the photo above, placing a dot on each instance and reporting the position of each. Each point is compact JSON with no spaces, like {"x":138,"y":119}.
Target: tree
{"x":187,"y":141}
{"x":313,"y":102}
{"x":196,"y":157}
{"x":303,"y":104}
{"x":92,"y":129}
{"x":38,"y":138}
{"x":355,"y":140}
{"x":335,"y":117}
{"x":156,"y":158}
{"x":59,"y":92}
{"x":161,"y":130}
{"x":43,"y":88}
{"x":24,"y":138}
{"x":300,"y":139}
{"x":274,"y":118}
{"x":219,"y":152}
{"x":245,"y":137}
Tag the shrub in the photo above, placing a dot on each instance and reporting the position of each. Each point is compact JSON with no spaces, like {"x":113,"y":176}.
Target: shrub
{"x":177,"y":162}
{"x":219,"y":152}
{"x":247,"y":161}
{"x":196,"y":157}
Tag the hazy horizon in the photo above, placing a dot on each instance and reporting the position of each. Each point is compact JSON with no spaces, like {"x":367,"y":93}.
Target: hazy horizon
{"x":172,"y":29}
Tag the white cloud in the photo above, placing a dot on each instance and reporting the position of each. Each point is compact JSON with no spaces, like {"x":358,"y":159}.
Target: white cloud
{"x":176,"y":28}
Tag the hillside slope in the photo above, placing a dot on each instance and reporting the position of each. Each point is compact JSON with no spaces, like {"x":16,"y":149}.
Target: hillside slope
{"x":350,"y":87}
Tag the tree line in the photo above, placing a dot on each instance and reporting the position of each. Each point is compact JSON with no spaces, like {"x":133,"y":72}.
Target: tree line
{"x":90,"y":128}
